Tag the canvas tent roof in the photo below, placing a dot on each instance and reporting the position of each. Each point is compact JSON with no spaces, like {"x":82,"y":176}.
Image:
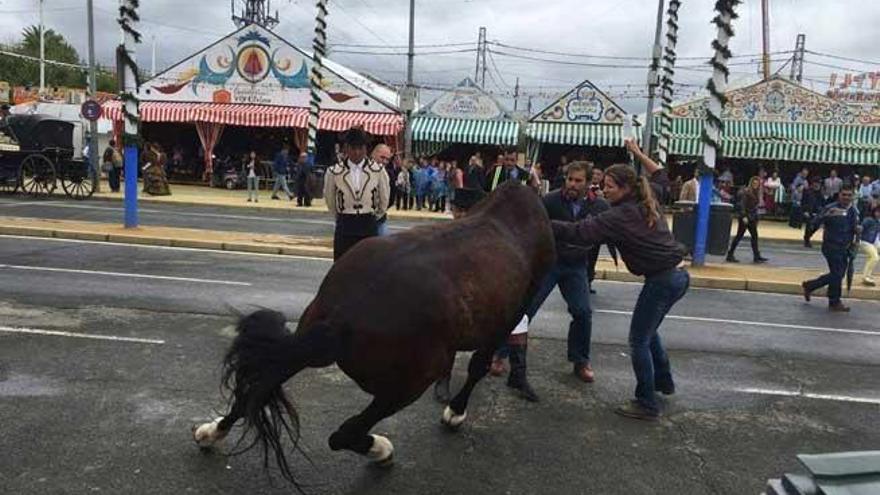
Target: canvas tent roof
{"x":584,"y":116}
{"x":253,"y":75}
{"x":780,"y":120}
{"x":465,"y":114}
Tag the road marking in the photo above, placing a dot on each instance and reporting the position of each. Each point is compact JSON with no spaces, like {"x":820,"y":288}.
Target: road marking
{"x":167,"y":248}
{"x":123,"y":275}
{"x":808,"y":395}
{"x":752,"y":323}
{"x":59,"y":333}
{"x":192,"y":214}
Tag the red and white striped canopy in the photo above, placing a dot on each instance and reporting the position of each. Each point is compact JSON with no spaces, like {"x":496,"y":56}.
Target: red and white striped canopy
{"x":380,"y":124}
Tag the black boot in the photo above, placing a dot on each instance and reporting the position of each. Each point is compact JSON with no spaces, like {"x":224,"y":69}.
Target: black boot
{"x":517,"y":378}
{"x":441,"y":390}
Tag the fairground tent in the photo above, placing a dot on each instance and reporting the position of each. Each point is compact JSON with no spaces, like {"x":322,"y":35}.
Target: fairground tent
{"x":779,"y":120}
{"x":463,"y":115}
{"x":583,"y":117}
{"x":255,"y":78}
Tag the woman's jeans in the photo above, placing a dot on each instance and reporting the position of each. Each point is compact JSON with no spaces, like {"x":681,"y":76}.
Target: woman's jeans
{"x":253,"y":186}
{"x":649,"y":360}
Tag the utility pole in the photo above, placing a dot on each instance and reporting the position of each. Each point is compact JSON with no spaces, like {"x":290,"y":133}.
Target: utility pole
{"x":516,"y":95}
{"x":409,"y":96}
{"x":42,"y":52}
{"x":667,"y":92}
{"x":797,"y":63}
{"x":93,"y":89}
{"x":653,"y":82}
{"x":130,"y":112}
{"x":765,"y":15}
{"x":153,"y":60}
{"x":480,"y":71}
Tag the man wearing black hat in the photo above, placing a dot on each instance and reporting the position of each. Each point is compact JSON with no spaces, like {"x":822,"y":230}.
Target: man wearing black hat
{"x":356,"y":191}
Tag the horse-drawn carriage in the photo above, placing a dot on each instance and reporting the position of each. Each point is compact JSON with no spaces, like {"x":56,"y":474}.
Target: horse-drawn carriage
{"x":36,"y":151}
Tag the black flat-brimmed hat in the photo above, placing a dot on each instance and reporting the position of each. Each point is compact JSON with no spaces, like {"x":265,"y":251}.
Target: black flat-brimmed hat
{"x":355,"y":137}
{"x":466,"y":198}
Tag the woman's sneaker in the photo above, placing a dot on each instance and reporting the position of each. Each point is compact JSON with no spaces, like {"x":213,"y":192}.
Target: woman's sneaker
{"x":634,"y":409}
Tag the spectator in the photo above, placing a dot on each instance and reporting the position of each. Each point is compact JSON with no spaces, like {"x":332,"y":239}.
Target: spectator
{"x":507,"y":170}
{"x":475,"y":175}
{"x":864,"y":195}
{"x":253,"y":180}
{"x":280,"y":167}
{"x":796,"y":215}
{"x":382,"y":156}
{"x":403,"y":184}
{"x":801,"y":179}
{"x":112,"y":165}
{"x":421,"y":183}
{"x":303,"y":177}
{"x":812,"y":205}
{"x":831,"y":186}
{"x":840,"y":221}
{"x":690,"y":191}
{"x":774,"y":192}
{"x":747,"y":215}
{"x":597,"y":180}
{"x":870,"y":244}
{"x":726,"y":176}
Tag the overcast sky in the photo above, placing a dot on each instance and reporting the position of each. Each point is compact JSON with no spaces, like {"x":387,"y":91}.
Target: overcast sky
{"x":623,"y":28}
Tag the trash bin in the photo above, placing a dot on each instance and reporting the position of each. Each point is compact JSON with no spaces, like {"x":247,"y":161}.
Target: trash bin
{"x":684,"y":226}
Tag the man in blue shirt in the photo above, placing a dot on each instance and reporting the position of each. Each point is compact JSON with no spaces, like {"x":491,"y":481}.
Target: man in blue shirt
{"x":840,"y":221}
{"x":280,"y":167}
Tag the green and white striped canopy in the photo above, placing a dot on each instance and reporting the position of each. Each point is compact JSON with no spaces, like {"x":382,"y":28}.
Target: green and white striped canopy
{"x":465,"y":131}
{"x":789,"y":141}
{"x":576,"y":134}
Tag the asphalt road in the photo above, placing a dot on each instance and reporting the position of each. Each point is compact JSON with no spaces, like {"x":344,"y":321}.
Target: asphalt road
{"x":303,"y":223}
{"x":761,"y":378}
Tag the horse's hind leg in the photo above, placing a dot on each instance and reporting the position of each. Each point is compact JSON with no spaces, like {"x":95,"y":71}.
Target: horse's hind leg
{"x":355,"y":435}
{"x":456,"y":412}
{"x":210,"y":434}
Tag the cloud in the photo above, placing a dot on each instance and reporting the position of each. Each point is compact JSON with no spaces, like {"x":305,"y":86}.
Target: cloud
{"x":612,"y":28}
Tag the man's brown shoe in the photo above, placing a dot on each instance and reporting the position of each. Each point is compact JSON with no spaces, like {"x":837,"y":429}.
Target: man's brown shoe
{"x":633,"y":409}
{"x":498,"y":368}
{"x":838,"y":308}
{"x":585,"y":373}
{"x":806,"y":291}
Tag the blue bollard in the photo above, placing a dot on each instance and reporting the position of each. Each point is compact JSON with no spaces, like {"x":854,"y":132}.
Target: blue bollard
{"x":131,"y":187}
{"x":703,"y":209}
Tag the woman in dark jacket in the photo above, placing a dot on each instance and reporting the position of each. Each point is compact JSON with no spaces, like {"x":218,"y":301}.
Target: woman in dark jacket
{"x":637,"y":227}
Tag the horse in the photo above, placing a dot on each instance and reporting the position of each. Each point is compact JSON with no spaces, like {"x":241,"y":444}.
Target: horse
{"x":391,"y":314}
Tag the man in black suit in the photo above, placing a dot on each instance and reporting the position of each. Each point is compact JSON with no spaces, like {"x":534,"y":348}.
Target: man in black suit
{"x":571,"y":204}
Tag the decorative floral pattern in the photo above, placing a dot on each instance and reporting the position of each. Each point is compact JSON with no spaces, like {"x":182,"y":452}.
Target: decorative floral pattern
{"x":779,"y":100}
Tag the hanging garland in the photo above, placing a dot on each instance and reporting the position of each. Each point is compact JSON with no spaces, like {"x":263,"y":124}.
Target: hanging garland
{"x":127,"y":18}
{"x":319,"y":47}
{"x":716,"y":86}
{"x":669,"y":57}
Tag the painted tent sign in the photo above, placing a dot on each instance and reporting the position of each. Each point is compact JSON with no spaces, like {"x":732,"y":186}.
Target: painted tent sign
{"x":779,"y":100}
{"x":466,"y":101}
{"x":583,"y":104}
{"x":255,"y":66}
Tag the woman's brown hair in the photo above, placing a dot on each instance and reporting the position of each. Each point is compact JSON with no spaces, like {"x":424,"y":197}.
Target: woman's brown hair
{"x":625,"y":175}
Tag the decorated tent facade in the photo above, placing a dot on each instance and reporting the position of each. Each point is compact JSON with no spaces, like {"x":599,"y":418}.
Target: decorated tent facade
{"x":464,"y":115}
{"x":782,"y":121}
{"x":582,"y":118}
{"x":255,"y":78}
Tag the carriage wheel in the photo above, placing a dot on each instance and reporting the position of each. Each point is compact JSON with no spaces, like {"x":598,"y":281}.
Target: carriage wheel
{"x":37,"y":175}
{"x":79,"y":185}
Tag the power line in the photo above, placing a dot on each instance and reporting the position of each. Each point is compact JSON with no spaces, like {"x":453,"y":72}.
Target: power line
{"x":444,"y":52}
{"x":438,"y":45}
{"x":868,"y":62}
{"x":615,"y":57}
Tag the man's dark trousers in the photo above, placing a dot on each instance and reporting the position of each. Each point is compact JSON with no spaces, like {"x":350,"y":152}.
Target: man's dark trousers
{"x":837,"y":262}
{"x":752,"y":227}
{"x":572,"y":281}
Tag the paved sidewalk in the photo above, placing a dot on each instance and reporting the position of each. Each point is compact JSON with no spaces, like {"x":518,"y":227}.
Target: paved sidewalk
{"x":756,"y":278}
{"x":212,"y":196}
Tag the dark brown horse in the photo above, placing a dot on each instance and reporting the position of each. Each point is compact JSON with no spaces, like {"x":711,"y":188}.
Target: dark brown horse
{"x":391,"y":314}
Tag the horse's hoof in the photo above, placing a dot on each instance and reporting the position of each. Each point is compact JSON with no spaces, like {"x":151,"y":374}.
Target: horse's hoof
{"x":208,"y":435}
{"x":381,"y":452}
{"x":452,"y":420}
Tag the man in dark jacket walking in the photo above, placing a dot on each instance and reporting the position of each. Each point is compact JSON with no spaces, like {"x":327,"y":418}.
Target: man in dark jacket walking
{"x":840,"y":221}
{"x":571,"y":204}
{"x":747,"y":214}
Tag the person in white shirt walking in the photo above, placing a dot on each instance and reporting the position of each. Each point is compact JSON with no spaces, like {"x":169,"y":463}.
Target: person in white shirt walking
{"x":253,"y":180}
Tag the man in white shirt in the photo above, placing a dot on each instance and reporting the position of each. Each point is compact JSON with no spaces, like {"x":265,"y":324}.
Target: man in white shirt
{"x":356,"y":191}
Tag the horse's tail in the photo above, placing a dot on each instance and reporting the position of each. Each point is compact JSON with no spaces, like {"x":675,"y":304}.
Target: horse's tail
{"x":262,"y":357}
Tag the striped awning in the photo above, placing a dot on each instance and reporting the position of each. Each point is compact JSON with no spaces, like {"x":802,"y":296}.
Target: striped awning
{"x":465,"y":131}
{"x":381,"y":124}
{"x":788,"y":141}
{"x":576,"y":134}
